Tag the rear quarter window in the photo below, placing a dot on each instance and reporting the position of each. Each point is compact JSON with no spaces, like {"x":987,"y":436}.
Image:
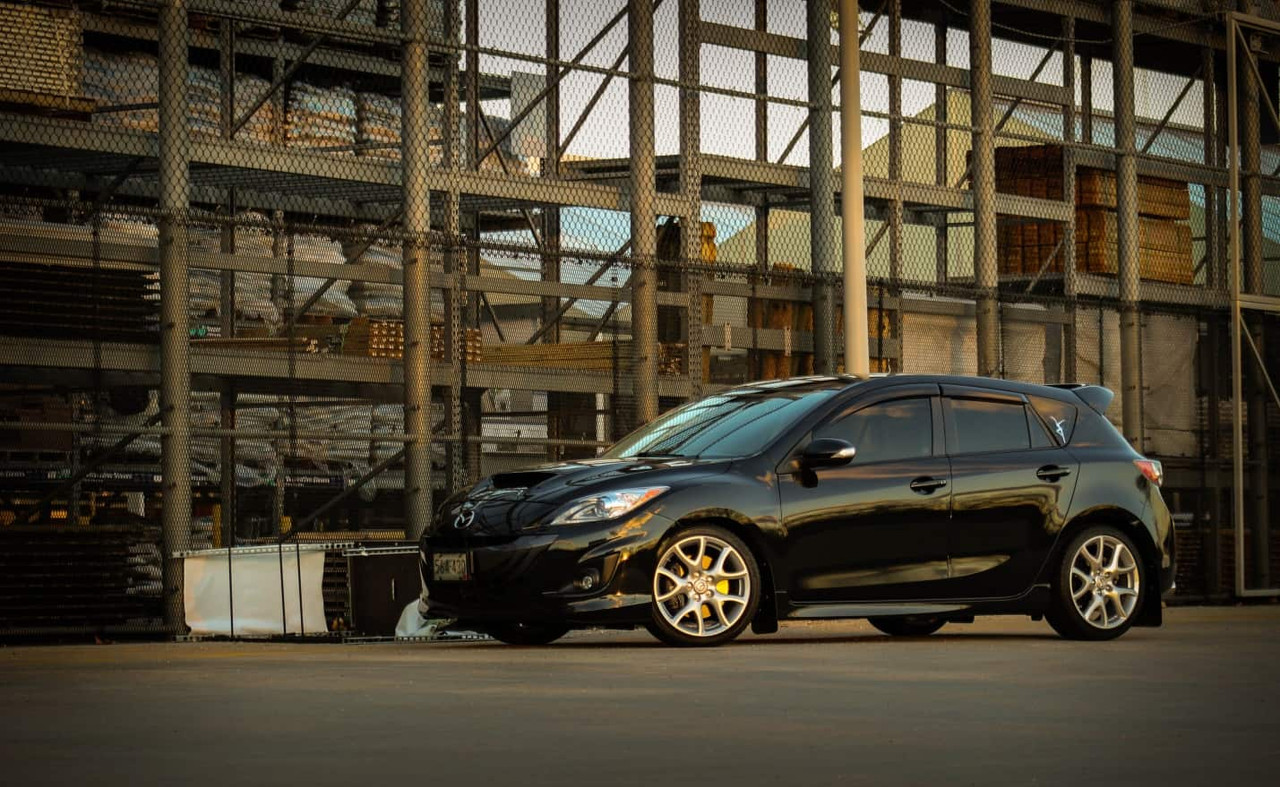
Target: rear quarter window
{"x":1059,"y":417}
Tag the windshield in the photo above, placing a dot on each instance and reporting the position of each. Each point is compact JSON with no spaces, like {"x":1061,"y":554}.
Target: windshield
{"x":721,"y":427}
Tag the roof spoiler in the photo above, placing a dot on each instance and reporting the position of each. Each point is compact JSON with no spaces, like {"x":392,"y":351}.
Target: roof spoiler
{"x":1095,"y":396}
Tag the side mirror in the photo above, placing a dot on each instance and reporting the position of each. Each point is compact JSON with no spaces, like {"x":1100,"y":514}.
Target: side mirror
{"x":827,"y":452}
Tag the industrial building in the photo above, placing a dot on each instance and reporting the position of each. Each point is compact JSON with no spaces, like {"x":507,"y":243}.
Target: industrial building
{"x":288,"y":273}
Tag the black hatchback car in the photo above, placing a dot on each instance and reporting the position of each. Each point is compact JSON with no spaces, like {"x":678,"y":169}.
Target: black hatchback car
{"x":912,"y":501}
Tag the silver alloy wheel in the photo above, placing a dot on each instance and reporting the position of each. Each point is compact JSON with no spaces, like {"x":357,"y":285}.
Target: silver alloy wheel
{"x":1104,"y":582}
{"x":702,"y":586}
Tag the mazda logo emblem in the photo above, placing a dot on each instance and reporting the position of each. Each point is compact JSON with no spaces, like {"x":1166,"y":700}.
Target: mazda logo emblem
{"x":465,"y":517}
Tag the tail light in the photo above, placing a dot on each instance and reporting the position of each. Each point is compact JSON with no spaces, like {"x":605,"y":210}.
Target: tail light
{"x":1152,"y":469}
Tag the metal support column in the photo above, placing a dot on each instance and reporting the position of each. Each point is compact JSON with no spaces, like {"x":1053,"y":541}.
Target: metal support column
{"x":690,"y":185}
{"x":175,"y":361}
{"x":1251,"y":254}
{"x":1127,"y":222}
{"x":1212,"y":262}
{"x":984,"y":189}
{"x":896,"y":142}
{"x":823,"y":246}
{"x":462,"y":457}
{"x":415,"y":161}
{"x":557,"y":403}
{"x":227,"y":306}
{"x":1068,"y":253}
{"x":942,"y":160}
{"x":644,"y":228}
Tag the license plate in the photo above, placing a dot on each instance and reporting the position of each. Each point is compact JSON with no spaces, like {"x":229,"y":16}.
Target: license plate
{"x":451,"y":566}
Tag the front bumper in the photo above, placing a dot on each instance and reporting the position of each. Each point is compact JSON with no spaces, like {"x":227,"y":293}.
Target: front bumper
{"x":530,"y":577}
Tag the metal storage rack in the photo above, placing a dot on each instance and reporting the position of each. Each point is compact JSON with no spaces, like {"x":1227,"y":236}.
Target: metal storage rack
{"x":452,"y":208}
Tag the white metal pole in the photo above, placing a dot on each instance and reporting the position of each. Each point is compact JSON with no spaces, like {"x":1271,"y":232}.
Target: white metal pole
{"x":857,"y":360}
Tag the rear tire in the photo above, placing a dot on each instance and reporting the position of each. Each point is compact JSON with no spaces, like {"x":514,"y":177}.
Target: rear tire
{"x":1099,"y":589}
{"x":908,"y":625}
{"x":706,"y":588}
{"x":526,"y":633}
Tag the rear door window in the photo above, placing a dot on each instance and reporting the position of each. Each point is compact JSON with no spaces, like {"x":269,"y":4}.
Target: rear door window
{"x":980,"y":426}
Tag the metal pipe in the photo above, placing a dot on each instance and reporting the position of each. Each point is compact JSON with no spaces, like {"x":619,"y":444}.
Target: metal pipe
{"x":416,"y":292}
{"x":1127,"y":250}
{"x":984,"y":189}
{"x":644,"y":233}
{"x":822,"y":218}
{"x":175,"y":362}
{"x":857,"y":347}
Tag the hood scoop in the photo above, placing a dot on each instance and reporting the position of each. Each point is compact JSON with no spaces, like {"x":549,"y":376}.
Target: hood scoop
{"x":521,"y":480}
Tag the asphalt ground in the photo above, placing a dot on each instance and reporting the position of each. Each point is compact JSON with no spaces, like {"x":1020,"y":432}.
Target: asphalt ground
{"x":1002,"y":701}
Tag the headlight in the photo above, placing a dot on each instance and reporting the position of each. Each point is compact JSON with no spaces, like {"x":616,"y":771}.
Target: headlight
{"x":608,"y":505}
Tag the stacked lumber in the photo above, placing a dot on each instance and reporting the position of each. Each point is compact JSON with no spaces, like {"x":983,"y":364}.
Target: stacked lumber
{"x":370,"y":338}
{"x":70,"y":302}
{"x":41,"y":54}
{"x":798,"y":316}
{"x":1164,"y":247}
{"x":581,"y":356}
{"x":1025,"y":247}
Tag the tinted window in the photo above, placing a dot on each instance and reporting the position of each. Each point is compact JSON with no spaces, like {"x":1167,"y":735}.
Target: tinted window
{"x":901,"y":429}
{"x":721,"y":426}
{"x":1059,"y":417}
{"x":982,"y":426}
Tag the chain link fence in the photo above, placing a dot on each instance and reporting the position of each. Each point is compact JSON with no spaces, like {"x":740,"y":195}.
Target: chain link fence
{"x":291,"y":273}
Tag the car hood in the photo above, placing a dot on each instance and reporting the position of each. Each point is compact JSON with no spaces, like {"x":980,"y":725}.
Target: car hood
{"x":508,"y":502}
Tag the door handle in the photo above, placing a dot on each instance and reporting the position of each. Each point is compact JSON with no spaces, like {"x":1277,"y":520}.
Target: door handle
{"x":1052,"y":472}
{"x":927,"y":484}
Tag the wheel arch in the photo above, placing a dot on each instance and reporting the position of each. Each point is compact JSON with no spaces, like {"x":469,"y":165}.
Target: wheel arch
{"x":766,"y":618}
{"x":1131,"y":525}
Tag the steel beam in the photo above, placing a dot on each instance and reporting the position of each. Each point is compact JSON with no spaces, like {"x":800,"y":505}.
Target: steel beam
{"x":175,"y":362}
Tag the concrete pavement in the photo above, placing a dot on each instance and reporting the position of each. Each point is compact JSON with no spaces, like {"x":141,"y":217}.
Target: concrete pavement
{"x":1002,"y":701}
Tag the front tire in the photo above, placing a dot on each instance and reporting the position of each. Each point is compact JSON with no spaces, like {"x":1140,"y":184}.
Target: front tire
{"x":1099,"y":588}
{"x":526,"y":633}
{"x":908,"y":625}
{"x":706,"y":588}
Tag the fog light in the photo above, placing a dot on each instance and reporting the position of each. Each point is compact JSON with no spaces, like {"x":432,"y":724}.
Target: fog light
{"x":588,"y":580}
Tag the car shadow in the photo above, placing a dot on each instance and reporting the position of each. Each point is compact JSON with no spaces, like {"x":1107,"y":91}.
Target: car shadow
{"x":867,"y":639}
